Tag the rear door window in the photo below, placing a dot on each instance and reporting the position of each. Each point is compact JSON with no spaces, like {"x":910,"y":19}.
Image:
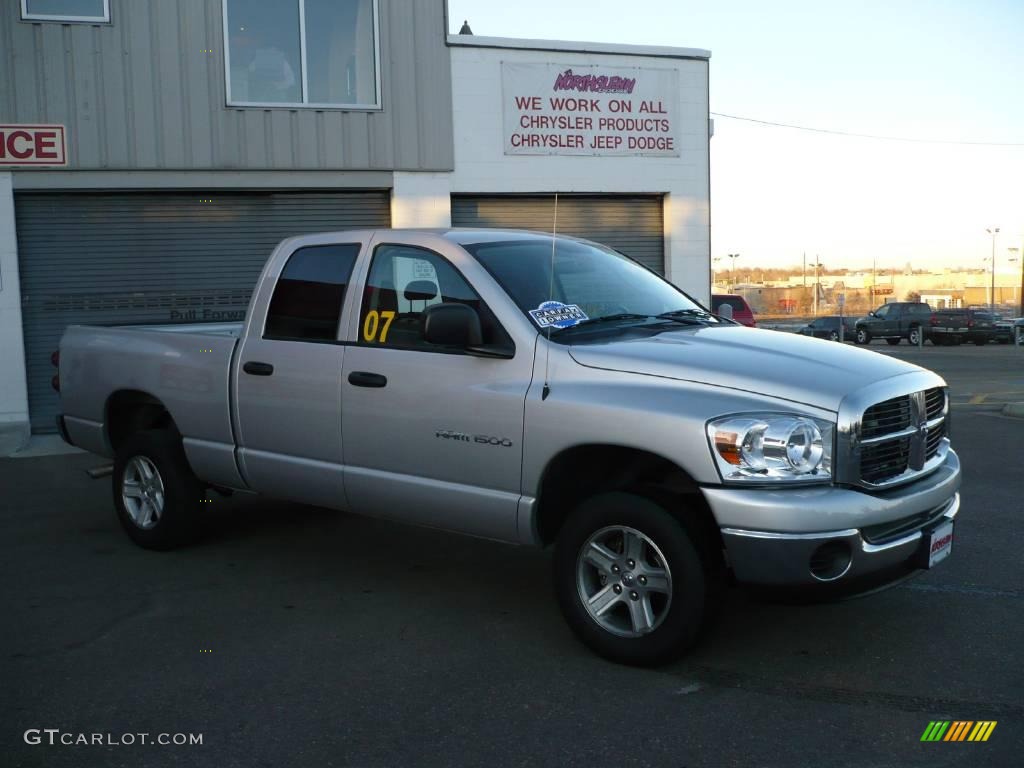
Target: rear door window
{"x":307,"y":300}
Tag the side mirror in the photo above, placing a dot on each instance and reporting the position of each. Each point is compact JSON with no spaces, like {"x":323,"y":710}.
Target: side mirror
{"x":452,"y":325}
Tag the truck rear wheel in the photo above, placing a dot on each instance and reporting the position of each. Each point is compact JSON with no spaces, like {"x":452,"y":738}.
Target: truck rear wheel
{"x":156,"y":495}
{"x":629,"y":579}
{"x":914,"y":337}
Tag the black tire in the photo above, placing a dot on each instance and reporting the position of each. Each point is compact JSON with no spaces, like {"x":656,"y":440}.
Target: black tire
{"x":833,"y":336}
{"x":182,"y":491}
{"x":893,"y":342}
{"x":862,"y":336}
{"x":692,"y":580}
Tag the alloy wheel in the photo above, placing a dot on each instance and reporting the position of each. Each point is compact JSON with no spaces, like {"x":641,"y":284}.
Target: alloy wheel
{"x":624,"y":581}
{"x":142,"y":491}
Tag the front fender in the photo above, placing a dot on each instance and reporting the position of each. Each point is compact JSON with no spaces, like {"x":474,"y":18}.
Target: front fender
{"x":661,"y":416}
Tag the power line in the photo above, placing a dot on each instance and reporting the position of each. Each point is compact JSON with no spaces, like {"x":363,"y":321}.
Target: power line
{"x":868,"y":135}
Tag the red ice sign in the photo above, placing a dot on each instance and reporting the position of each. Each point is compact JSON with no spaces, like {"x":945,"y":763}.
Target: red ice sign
{"x":32,"y":145}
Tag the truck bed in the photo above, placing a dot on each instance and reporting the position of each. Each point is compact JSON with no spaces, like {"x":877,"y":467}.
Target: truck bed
{"x":187,"y":368}
{"x":196,"y":329}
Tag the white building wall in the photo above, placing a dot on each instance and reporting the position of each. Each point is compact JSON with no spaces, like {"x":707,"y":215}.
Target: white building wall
{"x":421,"y":200}
{"x":14,"y":425}
{"x":481,"y":165}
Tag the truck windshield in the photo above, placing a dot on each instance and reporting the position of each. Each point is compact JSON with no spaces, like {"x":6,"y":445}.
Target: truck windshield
{"x":589,"y":285}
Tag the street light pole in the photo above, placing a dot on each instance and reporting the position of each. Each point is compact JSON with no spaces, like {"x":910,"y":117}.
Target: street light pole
{"x":1018,"y":253}
{"x":732,"y":270}
{"x":992,"y":299}
{"x":1021,"y":278}
{"x":817,"y":282}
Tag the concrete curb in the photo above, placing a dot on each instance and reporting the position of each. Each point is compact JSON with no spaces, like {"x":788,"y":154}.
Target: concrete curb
{"x":1014,"y":409}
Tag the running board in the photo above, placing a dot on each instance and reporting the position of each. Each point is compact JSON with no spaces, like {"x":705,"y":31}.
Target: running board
{"x":97,"y":472}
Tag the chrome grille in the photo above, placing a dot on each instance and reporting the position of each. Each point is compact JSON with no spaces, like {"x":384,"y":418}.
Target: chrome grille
{"x":935,"y":436}
{"x":885,"y":418}
{"x":935,"y":402}
{"x":899,"y":436}
{"x":884,"y":460}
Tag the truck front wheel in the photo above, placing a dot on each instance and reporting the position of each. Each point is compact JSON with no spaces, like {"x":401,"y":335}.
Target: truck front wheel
{"x":156,"y":495}
{"x":629,"y":579}
{"x":862,"y":336}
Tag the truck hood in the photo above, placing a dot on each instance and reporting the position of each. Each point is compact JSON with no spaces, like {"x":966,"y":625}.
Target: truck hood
{"x":779,"y":365}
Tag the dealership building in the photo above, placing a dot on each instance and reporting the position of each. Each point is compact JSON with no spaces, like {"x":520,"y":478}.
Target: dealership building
{"x":153,"y":153}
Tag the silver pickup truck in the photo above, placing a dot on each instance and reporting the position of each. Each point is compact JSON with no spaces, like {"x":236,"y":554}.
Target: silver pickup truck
{"x":535,"y":390}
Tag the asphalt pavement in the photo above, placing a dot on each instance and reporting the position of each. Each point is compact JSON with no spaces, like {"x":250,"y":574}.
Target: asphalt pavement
{"x":300,"y":636}
{"x":991,"y":375}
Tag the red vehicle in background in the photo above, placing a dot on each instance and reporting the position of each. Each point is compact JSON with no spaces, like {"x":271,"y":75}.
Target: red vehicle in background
{"x":741,"y":311}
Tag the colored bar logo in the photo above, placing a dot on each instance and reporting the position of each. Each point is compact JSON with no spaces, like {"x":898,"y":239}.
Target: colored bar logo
{"x":958,"y":730}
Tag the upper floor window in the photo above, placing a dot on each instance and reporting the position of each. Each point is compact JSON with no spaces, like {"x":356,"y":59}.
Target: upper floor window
{"x":96,"y":11}
{"x":302,"y":53}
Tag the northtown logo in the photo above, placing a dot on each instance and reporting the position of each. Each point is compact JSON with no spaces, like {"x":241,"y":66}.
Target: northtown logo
{"x":567,"y":81}
{"x":958,"y":730}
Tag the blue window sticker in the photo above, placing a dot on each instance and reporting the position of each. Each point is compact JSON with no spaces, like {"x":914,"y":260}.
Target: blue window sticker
{"x":557,"y":314}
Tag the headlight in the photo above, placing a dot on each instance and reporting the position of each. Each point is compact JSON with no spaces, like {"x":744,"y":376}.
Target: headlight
{"x":772,"y":448}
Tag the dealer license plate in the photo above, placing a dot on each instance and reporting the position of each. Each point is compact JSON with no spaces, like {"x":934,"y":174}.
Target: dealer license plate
{"x":940,"y":544}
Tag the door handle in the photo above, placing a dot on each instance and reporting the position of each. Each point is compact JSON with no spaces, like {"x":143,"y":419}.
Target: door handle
{"x":258,"y":369}
{"x":365,"y":379}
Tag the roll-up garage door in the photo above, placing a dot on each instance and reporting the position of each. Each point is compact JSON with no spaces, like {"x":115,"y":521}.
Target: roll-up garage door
{"x":630,"y":224}
{"x":113,"y":259}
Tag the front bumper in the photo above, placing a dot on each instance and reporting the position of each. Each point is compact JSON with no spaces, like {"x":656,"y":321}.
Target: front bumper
{"x":787,"y":538}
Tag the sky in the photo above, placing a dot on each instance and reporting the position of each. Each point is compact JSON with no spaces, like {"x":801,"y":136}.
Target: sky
{"x":924,"y":69}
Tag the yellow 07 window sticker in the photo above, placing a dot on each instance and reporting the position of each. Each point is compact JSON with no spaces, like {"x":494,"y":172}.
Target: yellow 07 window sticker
{"x":377,"y":321}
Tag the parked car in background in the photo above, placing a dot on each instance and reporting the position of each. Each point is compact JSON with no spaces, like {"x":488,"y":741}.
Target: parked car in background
{"x":1002,"y":328}
{"x":980,"y":327}
{"x":741,"y":311}
{"x":893,"y":322}
{"x":827,"y":328}
{"x":947,"y":326}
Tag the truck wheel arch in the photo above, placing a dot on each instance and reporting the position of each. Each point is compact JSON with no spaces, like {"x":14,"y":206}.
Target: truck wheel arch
{"x":128,"y":411}
{"x":582,"y":471}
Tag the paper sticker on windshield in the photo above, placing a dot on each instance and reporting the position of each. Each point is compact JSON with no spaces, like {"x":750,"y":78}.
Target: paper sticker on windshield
{"x":557,"y":314}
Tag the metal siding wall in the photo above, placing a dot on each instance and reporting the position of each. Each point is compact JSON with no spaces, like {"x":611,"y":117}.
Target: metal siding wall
{"x":112,"y":259}
{"x":633,"y":225}
{"x":140,"y":93}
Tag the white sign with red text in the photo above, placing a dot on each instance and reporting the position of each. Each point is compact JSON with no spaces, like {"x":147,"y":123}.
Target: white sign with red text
{"x":555,"y":109}
{"x":33,"y":145}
